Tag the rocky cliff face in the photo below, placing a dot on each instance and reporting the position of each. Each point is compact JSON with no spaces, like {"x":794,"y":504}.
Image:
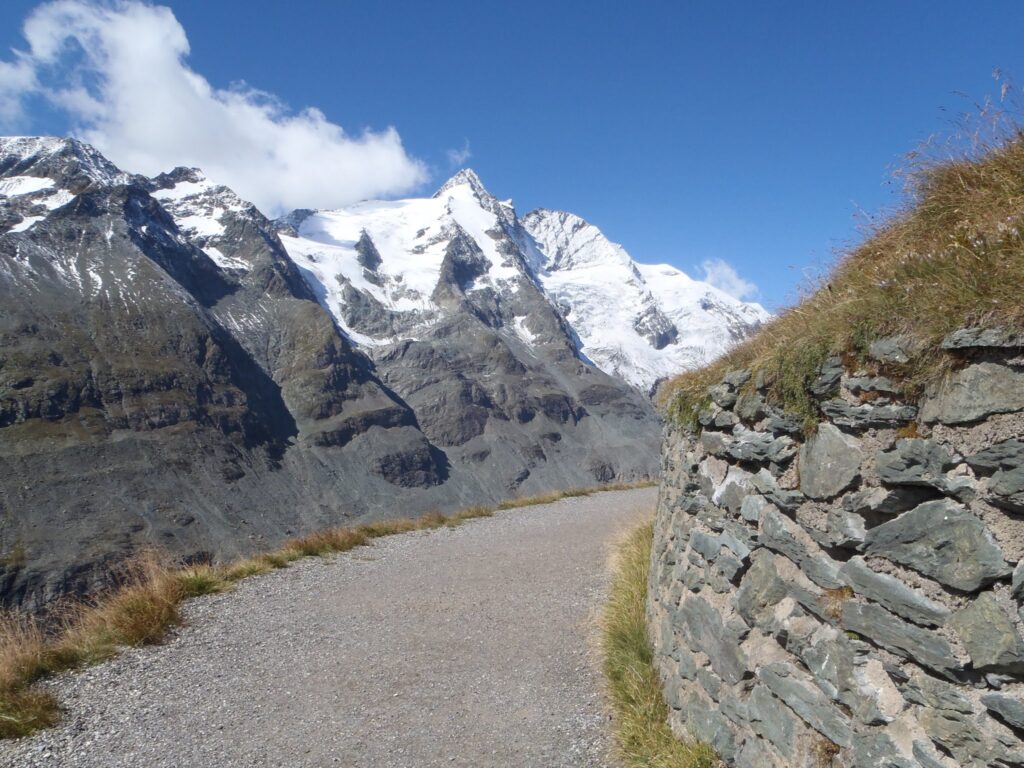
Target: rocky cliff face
{"x":170,"y":374}
{"x":852,"y":597}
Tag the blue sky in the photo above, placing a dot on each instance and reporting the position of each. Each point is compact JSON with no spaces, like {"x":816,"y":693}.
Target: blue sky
{"x":749,"y":132}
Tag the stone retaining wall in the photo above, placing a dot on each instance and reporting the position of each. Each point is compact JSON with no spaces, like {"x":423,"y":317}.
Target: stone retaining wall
{"x":852,"y":598}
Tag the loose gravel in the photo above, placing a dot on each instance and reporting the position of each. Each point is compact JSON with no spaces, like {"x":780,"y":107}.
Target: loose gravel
{"x":471,"y":646}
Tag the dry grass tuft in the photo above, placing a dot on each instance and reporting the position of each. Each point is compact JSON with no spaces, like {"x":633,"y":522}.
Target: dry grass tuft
{"x":144,"y":604}
{"x":641,"y":726}
{"x":197,"y":580}
{"x":952,"y":256}
{"x":832,"y":601}
{"x":548,"y":498}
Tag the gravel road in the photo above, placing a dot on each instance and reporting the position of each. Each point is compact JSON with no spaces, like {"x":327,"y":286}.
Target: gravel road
{"x":471,"y":646}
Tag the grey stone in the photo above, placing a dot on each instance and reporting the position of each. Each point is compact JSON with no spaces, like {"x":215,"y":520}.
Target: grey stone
{"x":925,"y":754}
{"x":771,"y":719}
{"x":1004,"y":464}
{"x":892,"y":593}
{"x":737,"y":378}
{"x":710,"y":726}
{"x":877,"y":750}
{"x":780,"y":534}
{"x":725,"y":420}
{"x":752,"y":507}
{"x":822,"y":658}
{"x":706,"y":416}
{"x":892,"y":349}
{"x":976,"y":338}
{"x":866,"y":415}
{"x":751,"y":446}
{"x":1009,"y":709}
{"x":787,"y":500}
{"x":969,"y":745}
{"x":829,"y":463}
{"x":998,"y":681}
{"x":708,"y":546}
{"x":974,"y":393}
{"x":728,"y":567}
{"x":780,"y":422}
{"x":750,"y":407}
{"x":845,"y":529}
{"x":1017,"y":582}
{"x":733,"y":492}
{"x":827,"y":380}
{"x":715,"y":443}
{"x":1007,"y":454}
{"x":989,"y":635}
{"x":687,"y":664}
{"x":808,"y":701}
{"x":866,"y":686}
{"x":704,"y":630}
{"x":733,"y":708}
{"x":861,"y":384}
{"x":914,"y":461}
{"x":897,"y":636}
{"x":760,"y":590}
{"x":736,"y":538}
{"x":884,"y":501}
{"x":710,"y":682}
{"x":943,"y":540}
{"x":928,"y":692}
{"x":722,"y":395}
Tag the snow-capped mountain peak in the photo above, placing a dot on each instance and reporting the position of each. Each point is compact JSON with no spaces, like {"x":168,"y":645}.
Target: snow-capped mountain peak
{"x":72,"y":164}
{"x":637,"y":321}
{"x":388,"y":270}
{"x":379,"y":266}
{"x":465,"y":177}
{"x":467,"y":187}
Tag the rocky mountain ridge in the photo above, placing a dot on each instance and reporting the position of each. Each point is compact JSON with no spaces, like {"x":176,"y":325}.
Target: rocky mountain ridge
{"x":177,"y":370}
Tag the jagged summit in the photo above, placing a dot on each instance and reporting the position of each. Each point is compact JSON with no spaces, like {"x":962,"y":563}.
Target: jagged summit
{"x":69,"y":162}
{"x":465,"y":177}
{"x":179,"y":174}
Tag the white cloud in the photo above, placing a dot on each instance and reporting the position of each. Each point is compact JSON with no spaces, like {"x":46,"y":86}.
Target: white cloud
{"x":16,"y":78}
{"x":458,"y":157}
{"x":723,"y":277}
{"x":119,"y":71}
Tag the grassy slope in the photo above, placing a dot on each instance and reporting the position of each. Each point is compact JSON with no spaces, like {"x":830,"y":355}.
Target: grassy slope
{"x":953,"y":257}
{"x":146,"y":604}
{"x":641,"y":716}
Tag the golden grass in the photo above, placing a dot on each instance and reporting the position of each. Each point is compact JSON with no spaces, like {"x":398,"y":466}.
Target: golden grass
{"x":144,"y":604}
{"x":833,"y":600}
{"x":642,"y":733}
{"x":548,"y":498}
{"x":952,"y":256}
